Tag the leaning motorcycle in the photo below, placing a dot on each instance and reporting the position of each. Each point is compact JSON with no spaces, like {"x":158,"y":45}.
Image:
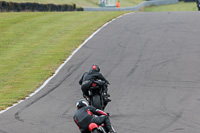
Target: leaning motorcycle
{"x":96,"y":94}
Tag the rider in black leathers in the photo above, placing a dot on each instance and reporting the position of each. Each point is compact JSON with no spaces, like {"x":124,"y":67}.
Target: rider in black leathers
{"x":84,"y":116}
{"x":198,"y":4}
{"x":89,"y":77}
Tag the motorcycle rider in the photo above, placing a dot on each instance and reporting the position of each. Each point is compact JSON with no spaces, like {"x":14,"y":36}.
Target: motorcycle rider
{"x":84,"y":116}
{"x":198,"y":4}
{"x":89,"y":77}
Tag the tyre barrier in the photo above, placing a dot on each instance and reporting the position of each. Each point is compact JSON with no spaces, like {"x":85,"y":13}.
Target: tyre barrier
{"x":36,"y":7}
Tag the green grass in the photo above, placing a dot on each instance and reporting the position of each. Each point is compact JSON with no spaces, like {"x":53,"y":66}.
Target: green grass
{"x":82,"y":3}
{"x":33,"y":45}
{"x":181,"y":6}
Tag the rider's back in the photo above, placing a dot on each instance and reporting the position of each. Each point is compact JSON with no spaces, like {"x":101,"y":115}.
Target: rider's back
{"x":83,"y":118}
{"x":91,"y":76}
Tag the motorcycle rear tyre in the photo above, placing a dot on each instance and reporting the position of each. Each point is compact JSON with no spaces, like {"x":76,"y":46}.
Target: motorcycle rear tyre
{"x":95,"y":131}
{"x":96,"y":102}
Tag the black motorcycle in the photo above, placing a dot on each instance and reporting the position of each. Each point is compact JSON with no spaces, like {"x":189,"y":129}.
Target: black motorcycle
{"x":96,"y":94}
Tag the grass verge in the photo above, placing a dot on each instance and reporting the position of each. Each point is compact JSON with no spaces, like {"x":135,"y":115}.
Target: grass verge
{"x":181,"y":6}
{"x":33,"y":45}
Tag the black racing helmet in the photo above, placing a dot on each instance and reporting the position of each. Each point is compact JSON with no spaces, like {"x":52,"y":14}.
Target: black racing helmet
{"x":94,"y":68}
{"x":81,"y":103}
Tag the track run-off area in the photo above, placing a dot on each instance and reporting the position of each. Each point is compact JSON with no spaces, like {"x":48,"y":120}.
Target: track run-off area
{"x":152,"y":62}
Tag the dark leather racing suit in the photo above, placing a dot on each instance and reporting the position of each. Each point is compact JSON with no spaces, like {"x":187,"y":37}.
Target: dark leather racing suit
{"x":88,"y":78}
{"x":84,"y":116}
{"x":198,"y":4}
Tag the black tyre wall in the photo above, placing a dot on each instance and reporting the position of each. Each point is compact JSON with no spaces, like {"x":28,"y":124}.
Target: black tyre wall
{"x":96,"y":102}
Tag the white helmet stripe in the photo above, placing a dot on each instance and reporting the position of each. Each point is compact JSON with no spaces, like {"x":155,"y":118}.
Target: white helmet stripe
{"x":85,"y":103}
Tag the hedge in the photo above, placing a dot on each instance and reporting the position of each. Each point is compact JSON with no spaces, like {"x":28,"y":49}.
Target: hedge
{"x":34,"y":7}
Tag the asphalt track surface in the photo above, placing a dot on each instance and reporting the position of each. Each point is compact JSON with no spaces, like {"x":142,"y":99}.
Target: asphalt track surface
{"x":152,"y":62}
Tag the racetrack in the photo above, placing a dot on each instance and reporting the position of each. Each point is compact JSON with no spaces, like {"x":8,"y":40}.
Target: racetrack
{"x":152,"y":62}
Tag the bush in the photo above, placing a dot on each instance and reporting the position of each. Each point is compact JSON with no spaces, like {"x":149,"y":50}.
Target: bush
{"x":17,"y":7}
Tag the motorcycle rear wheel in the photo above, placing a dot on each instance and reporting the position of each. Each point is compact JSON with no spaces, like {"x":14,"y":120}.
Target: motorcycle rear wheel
{"x":95,"y":131}
{"x":96,"y":102}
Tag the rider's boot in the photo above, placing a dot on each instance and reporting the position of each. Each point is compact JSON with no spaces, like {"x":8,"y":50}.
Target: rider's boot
{"x":108,"y":95}
{"x":106,"y":98}
{"x":105,"y":90}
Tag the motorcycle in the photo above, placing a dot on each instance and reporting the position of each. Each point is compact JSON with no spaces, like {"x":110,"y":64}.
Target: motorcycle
{"x":94,"y":128}
{"x":96,"y":94}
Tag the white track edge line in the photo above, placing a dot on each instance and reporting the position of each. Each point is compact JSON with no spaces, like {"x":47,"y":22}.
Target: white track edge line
{"x":65,"y":62}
